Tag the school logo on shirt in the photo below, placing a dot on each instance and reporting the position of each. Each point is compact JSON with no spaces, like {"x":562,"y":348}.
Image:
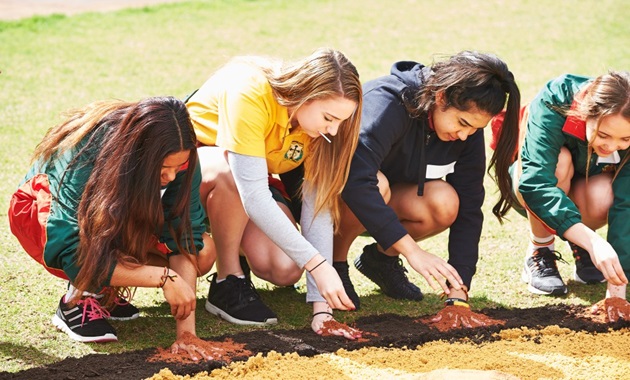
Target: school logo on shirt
{"x":295,"y":152}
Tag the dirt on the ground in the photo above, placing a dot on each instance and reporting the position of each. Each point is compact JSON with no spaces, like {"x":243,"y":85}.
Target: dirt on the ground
{"x":17,"y":9}
{"x":560,"y":339}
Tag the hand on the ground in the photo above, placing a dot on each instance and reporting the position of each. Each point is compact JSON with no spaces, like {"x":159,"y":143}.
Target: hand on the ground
{"x":615,"y":308}
{"x":331,"y":288}
{"x":337,"y":328}
{"x":458,"y":316}
{"x":190,"y":348}
{"x":435,"y":270}
{"x":180,"y":296}
{"x":607,"y":261}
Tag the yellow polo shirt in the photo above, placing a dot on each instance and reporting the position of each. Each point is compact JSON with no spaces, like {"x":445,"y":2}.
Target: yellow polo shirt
{"x":236,"y":110}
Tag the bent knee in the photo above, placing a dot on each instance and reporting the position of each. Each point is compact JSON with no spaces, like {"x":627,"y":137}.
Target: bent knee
{"x":444,"y":204}
{"x":207,"y":255}
{"x":280,"y":275}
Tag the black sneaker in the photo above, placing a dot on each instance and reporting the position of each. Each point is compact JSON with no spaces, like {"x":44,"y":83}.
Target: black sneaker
{"x":236,"y":301}
{"x":585,"y":271}
{"x":342,"y":270}
{"x":541,"y":273}
{"x":388,"y":273}
{"x":85,"y":322}
{"x":123,"y":310}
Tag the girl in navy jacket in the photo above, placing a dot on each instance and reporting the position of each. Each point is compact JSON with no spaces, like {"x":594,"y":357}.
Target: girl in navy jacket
{"x":419,"y":169}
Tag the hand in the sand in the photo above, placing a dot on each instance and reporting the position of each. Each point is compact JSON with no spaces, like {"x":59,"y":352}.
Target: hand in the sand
{"x":607,"y":261}
{"x":188,"y":347}
{"x":325,"y":324}
{"x":458,"y":316}
{"x":435,"y":270}
{"x":615,"y":308}
{"x":180,"y":296}
{"x":331,"y":288}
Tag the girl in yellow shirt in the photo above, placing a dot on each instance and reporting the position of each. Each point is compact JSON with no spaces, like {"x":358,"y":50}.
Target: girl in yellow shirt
{"x":255,"y":118}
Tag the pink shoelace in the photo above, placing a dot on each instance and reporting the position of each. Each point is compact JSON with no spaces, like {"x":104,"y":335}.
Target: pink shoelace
{"x":92,"y":309}
{"x":121,"y":299}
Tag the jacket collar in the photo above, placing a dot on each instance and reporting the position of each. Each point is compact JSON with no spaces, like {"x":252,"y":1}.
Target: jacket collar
{"x":573,"y":125}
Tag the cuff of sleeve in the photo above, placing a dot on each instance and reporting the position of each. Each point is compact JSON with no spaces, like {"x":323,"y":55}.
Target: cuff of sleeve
{"x":564,"y":226}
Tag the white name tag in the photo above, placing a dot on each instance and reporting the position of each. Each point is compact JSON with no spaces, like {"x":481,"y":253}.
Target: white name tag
{"x":439,"y":171}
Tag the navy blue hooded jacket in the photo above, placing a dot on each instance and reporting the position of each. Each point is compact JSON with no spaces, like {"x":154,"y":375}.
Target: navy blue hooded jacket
{"x":407,"y":150}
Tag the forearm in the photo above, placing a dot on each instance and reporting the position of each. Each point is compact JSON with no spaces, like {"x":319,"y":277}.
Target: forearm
{"x":144,"y":276}
{"x":187,"y":271}
{"x":318,"y":230}
{"x":581,"y":235}
{"x":406,"y":246}
{"x":251,"y":180}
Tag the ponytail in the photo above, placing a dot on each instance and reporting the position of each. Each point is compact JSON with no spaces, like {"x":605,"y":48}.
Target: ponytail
{"x":503,"y":155}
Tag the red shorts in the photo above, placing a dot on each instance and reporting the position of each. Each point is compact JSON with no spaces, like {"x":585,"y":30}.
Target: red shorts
{"x":28,"y":214}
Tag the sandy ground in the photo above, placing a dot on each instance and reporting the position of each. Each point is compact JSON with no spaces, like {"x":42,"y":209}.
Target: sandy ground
{"x":17,"y":9}
{"x":550,"y":353}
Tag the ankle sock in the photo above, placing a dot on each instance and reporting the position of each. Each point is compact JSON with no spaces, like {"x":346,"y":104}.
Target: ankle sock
{"x":242,"y":276}
{"x":540,"y":242}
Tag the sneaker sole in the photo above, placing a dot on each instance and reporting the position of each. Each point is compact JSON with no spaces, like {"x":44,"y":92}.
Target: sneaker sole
{"x":223,"y":315}
{"x":61,"y":325}
{"x":526,"y":277}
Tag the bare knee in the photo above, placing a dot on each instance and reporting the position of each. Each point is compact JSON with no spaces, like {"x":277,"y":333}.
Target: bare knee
{"x":216,"y":175}
{"x":594,"y":198}
{"x":280,"y":274}
{"x":564,"y":169}
{"x":207,"y":255}
{"x":383,"y":186}
{"x":443,"y":204}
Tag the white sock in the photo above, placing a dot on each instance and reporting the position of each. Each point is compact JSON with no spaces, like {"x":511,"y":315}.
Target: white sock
{"x":72,"y":290}
{"x":537,"y":242}
{"x":223,"y":279}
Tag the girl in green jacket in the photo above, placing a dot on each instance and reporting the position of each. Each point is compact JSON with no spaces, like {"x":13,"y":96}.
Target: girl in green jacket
{"x":573,"y":178}
{"x":112,"y":202}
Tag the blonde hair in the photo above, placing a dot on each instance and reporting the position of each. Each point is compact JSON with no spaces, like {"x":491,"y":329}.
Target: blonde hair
{"x":607,"y":95}
{"x":324,"y":74}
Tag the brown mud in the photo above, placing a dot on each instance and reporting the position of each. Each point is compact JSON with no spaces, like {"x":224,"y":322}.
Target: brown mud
{"x":384,"y":331}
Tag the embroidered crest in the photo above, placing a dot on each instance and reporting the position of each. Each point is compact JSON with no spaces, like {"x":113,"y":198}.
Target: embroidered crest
{"x":295,"y":152}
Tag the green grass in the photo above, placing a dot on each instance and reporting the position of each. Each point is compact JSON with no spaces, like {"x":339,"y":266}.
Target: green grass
{"x":52,"y":64}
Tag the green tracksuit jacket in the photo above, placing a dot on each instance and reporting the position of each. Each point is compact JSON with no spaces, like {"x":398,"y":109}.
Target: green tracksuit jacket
{"x":547,"y":131}
{"x":66,"y":188}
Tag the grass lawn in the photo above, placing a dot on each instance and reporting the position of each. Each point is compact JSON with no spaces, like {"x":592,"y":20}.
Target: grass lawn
{"x":55,"y":63}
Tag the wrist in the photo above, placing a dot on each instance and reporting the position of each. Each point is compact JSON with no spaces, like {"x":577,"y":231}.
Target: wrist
{"x":319,"y":306}
{"x":458,"y":293}
{"x":314,"y":263}
{"x":454,"y":301}
{"x":168,"y":275}
{"x":616,"y":291}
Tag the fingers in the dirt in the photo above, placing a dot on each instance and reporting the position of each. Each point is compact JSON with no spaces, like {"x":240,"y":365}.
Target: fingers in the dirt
{"x":466,"y":323}
{"x":347,"y":302}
